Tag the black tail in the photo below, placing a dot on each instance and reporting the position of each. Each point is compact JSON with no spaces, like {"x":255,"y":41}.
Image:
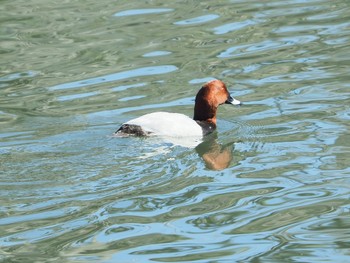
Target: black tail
{"x":131,"y":129}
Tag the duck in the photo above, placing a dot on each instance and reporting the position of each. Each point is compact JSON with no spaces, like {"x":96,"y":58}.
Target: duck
{"x":209,"y":97}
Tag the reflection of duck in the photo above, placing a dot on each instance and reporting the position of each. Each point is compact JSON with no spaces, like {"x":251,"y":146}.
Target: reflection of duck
{"x":215,"y":155}
{"x":208,"y":99}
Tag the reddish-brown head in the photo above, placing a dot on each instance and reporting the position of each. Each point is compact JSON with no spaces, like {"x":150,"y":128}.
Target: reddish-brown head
{"x":209,"y":97}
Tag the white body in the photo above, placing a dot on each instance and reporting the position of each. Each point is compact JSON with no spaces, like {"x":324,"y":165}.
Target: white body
{"x":168,"y":124}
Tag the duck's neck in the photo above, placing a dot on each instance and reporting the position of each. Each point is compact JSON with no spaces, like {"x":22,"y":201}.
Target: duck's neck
{"x":204,"y":112}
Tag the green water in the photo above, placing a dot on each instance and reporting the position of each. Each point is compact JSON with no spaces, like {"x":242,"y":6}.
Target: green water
{"x":72,"y":71}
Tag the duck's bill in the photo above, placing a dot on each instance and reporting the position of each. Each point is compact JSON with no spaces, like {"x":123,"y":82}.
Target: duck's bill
{"x":233,"y":101}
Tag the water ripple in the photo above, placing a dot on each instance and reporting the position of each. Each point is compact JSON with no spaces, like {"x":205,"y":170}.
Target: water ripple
{"x":224,"y":29}
{"x":146,"y":71}
{"x":145,"y":11}
{"x":197,"y":20}
{"x":72,"y":73}
{"x":266,"y":45}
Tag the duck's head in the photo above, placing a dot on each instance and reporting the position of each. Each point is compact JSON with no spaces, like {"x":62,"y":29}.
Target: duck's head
{"x":216,"y":93}
{"x":209,"y":97}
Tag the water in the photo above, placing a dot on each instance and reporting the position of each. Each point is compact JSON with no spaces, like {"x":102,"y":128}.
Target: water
{"x":73,"y":71}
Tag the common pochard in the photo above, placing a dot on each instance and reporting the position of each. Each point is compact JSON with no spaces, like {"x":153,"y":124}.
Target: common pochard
{"x":208,"y":98}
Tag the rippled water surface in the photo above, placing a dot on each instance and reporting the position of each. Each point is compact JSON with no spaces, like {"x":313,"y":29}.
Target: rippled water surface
{"x":272,"y":185}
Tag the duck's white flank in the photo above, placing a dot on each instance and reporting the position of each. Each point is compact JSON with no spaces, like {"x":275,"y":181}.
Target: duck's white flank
{"x":168,"y":124}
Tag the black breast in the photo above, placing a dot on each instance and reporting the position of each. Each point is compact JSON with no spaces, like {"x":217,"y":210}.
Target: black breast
{"x":207,"y":127}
